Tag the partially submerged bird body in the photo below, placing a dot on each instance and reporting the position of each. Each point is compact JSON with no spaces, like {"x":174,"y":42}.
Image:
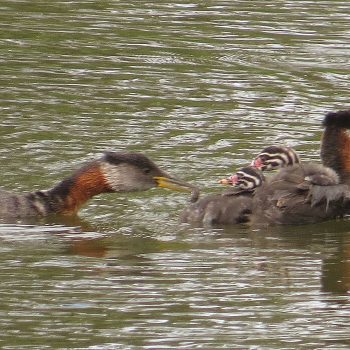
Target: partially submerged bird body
{"x":230,"y":207}
{"x":292,"y":197}
{"x":114,"y":172}
{"x":300,"y":193}
{"x":219,"y":209}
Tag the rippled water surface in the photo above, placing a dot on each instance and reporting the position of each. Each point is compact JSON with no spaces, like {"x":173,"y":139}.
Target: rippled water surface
{"x":200,"y":87}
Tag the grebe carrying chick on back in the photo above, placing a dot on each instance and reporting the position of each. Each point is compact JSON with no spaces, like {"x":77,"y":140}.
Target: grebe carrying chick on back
{"x":299,"y":193}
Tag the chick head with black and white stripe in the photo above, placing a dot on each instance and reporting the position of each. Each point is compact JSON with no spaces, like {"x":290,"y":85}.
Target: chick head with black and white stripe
{"x":247,"y":179}
{"x":275,"y":157}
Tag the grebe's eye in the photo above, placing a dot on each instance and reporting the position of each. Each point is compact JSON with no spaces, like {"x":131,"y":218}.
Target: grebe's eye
{"x":146,"y":171}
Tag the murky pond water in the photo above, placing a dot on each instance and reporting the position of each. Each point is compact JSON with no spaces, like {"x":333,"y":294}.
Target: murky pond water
{"x":200,"y":88}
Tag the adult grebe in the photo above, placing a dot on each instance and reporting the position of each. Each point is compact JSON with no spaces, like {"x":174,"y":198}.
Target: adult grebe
{"x":113,"y":172}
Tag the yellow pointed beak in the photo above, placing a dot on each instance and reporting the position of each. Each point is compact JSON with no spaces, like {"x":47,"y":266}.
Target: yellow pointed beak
{"x":177,"y":185}
{"x":173,"y":184}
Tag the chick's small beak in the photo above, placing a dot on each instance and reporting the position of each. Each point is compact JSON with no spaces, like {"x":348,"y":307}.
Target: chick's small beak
{"x":232,"y":180}
{"x":174,"y":184}
{"x":225,"y":182}
{"x":257,"y":163}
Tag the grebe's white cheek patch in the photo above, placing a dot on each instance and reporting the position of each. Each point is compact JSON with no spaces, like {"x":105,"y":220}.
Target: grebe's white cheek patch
{"x":125,"y":178}
{"x":116,"y":176}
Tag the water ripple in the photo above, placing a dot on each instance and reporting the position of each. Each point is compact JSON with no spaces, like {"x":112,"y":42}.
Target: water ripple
{"x":200,"y":88}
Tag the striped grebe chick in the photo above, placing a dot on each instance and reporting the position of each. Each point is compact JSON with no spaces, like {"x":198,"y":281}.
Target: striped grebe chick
{"x":113,"y":172}
{"x":279,"y":157}
{"x":275,"y":157}
{"x":299,"y":193}
{"x":230,"y":207}
{"x":245,"y":179}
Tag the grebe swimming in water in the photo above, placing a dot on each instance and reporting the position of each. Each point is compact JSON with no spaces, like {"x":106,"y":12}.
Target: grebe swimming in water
{"x":113,"y":172}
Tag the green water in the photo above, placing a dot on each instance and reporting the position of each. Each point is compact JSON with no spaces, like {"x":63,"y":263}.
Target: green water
{"x":200,"y":88}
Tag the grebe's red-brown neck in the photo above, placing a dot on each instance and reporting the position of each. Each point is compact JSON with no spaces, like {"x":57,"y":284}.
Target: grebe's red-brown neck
{"x":72,"y":193}
{"x":335,"y":146}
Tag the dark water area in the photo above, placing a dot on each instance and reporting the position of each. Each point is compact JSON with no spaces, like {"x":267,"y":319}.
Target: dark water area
{"x":200,"y":88}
